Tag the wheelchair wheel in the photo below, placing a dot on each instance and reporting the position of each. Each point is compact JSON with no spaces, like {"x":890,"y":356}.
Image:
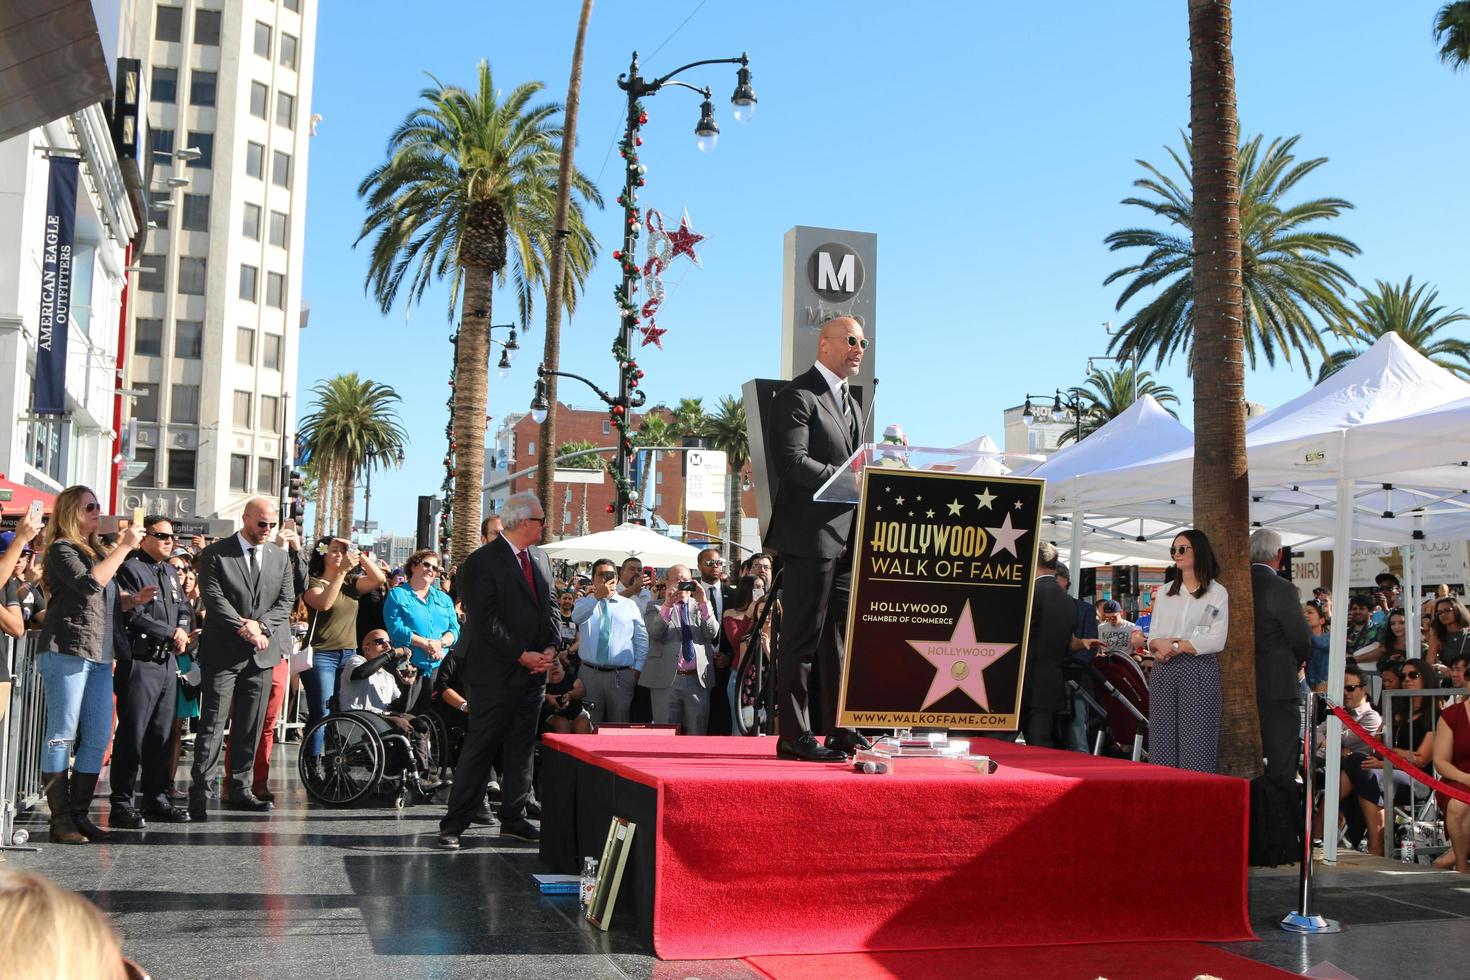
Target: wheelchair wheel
{"x":438,"y":740}
{"x":753,"y":691}
{"x":352,"y":761}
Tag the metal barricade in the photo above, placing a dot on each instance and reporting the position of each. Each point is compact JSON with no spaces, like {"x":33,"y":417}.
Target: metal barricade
{"x":1432,"y":712}
{"x":21,"y":734}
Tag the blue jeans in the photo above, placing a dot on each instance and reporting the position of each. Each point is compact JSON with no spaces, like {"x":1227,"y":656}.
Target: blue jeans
{"x":320,"y":683}
{"x":78,"y":712}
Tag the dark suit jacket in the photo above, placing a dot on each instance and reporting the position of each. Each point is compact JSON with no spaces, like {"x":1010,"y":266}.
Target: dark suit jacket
{"x":224,"y":587}
{"x":1283,"y":640}
{"x":809,"y":440}
{"x":503,"y":619}
{"x":727,"y":596}
{"x":152,"y":625}
{"x":1053,"y":624}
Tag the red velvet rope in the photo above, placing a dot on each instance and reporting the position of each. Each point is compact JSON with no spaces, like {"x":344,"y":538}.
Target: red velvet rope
{"x":1399,"y":762}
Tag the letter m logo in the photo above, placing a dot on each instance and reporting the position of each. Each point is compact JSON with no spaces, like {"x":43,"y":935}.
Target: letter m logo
{"x":841,"y":278}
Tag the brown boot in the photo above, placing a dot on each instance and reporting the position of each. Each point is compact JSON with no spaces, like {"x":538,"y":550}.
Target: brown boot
{"x":58,"y":798}
{"x":83,"y":788}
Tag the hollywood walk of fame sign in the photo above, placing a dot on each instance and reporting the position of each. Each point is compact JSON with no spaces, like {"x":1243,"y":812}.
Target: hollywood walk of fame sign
{"x":941,"y":600}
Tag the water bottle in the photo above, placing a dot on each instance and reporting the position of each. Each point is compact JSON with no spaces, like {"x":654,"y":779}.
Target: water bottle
{"x":216,"y":787}
{"x":1408,"y":850}
{"x":589,"y":882}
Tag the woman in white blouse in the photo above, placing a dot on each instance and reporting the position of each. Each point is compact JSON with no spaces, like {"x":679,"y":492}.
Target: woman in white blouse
{"x":1190,"y":618}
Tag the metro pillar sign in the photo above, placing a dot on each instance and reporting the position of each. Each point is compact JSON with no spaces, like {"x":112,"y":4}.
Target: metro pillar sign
{"x":827,"y":273}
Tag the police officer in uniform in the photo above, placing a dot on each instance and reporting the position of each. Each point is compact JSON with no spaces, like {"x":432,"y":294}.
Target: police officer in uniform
{"x":145,"y":681}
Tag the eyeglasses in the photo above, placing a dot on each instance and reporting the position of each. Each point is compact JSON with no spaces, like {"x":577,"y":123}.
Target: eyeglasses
{"x":92,"y":508}
{"x":1446,"y":609}
{"x":1352,"y":687}
{"x":161,"y":535}
{"x":429,"y":568}
{"x":1178,"y":549}
{"x":1411,"y":675}
{"x":267,"y":525}
{"x":541,"y":519}
{"x":712,"y":563}
{"x":856,"y":342}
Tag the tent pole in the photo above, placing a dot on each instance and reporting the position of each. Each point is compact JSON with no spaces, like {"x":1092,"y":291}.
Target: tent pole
{"x":1414,"y":565}
{"x":1342,"y":570}
{"x":1076,"y":561}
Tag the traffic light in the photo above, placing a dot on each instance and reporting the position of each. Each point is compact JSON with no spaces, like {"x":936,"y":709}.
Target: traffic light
{"x":297,"y":498}
{"x":428,"y":513}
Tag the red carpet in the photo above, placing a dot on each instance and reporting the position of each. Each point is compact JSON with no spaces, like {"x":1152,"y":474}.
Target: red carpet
{"x":759,"y":856}
{"x":1116,"y":961}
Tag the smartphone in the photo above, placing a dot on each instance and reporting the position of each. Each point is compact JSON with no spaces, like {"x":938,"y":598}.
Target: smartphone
{"x":289,"y":524}
{"x":139,"y":517}
{"x":609,"y":576}
{"x":33,"y":515}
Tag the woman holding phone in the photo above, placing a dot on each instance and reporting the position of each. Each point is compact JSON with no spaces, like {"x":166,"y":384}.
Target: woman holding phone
{"x":76,"y":658}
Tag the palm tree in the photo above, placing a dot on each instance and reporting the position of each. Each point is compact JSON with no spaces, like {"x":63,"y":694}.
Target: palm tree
{"x":1415,"y":317}
{"x":353,"y":424}
{"x":653,"y":430}
{"x":1287,"y":262}
{"x":1108,"y":392}
{"x":551,"y":356}
{"x":1452,"y":33}
{"x":469,"y":191}
{"x":1218,"y":311}
{"x":727,"y":433}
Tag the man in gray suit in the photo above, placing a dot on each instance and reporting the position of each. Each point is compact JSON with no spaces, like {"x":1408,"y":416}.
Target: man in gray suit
{"x":1283,"y":642}
{"x":246,"y":586}
{"x":679,"y":671}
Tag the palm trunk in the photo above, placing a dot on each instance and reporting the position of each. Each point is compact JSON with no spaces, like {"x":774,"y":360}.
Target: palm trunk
{"x":471,"y":375}
{"x":346,"y":498}
{"x":1221,"y":478}
{"x":323,"y":503}
{"x":551,"y":355}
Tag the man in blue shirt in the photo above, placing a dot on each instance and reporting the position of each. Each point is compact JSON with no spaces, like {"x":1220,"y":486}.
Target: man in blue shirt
{"x":613,"y":644}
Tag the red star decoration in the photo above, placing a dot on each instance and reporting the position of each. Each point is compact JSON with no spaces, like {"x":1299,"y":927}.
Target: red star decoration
{"x":651,"y":335}
{"x":682,"y":242}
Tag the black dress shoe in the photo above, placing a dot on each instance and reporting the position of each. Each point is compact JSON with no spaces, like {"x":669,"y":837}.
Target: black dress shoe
{"x":124,"y":817}
{"x":521,"y":830}
{"x":248,"y":802}
{"x":848,"y":741}
{"x":807,"y":749}
{"x":533,"y":809}
{"x":448,"y":841}
{"x":198,"y":811}
{"x":171,"y":814}
{"x":482,"y":815}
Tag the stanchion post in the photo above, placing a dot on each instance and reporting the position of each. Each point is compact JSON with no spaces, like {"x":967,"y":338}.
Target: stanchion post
{"x":1304,"y":920}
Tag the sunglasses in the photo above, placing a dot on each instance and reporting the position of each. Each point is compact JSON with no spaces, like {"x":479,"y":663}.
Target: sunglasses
{"x":429,"y":568}
{"x":857,"y":342}
{"x":267,"y":525}
{"x":160,"y":535}
{"x":712,"y":563}
{"x":382,"y":641}
{"x":1411,"y":675}
{"x":541,"y":519}
{"x":1352,"y":687}
{"x":92,"y":508}
{"x":1178,"y":549}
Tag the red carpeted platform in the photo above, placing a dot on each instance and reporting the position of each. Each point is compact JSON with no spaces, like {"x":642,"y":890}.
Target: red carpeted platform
{"x":754,"y":855}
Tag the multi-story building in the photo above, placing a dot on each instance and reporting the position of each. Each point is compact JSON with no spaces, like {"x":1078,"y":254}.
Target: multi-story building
{"x":394,"y":549}
{"x":217,"y":310}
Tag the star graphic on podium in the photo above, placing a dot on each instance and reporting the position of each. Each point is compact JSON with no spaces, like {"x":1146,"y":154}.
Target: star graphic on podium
{"x":986,"y":499}
{"x":960,"y":661}
{"x":1005,"y":537}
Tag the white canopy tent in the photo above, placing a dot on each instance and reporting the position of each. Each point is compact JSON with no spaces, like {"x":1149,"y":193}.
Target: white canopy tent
{"x":625,"y":541}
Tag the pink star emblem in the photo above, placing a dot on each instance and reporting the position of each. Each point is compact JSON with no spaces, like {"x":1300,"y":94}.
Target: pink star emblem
{"x":682,"y":242}
{"x":960,"y":661}
{"x":1005,"y":537}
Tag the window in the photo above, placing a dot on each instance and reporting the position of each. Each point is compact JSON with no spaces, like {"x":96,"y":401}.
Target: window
{"x":184,"y":405}
{"x":206,"y":26}
{"x":165,"y":85}
{"x":196,"y":212}
{"x":148,"y":476}
{"x":259,"y":96}
{"x":292,"y":5}
{"x":262,"y":39}
{"x":202,"y":86}
{"x":145,"y":403}
{"x":275,"y":290}
{"x":288,"y":52}
{"x":239,"y":473}
{"x":155,"y":270}
{"x":250,"y":226}
{"x":270,"y":351}
{"x":270,"y":414}
{"x":530,"y":448}
{"x":162,"y":141}
{"x":265,"y":476}
{"x":658,"y":476}
{"x":181,"y":469}
{"x":606,"y":427}
{"x":189,"y":339}
{"x":244,"y":345}
{"x":191,"y":276}
{"x":244,"y":402}
{"x":255,"y":161}
{"x":204,"y":143}
{"x":281,"y":169}
{"x":285,"y":109}
{"x":280,"y":228}
{"x":148,"y":337}
{"x":248,"y":275}
{"x":169,"y":25}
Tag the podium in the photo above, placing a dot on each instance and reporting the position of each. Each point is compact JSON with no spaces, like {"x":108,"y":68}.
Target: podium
{"x":944,"y":558}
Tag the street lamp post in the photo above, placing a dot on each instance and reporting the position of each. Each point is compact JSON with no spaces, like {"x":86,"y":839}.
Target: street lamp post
{"x":1073,"y":403}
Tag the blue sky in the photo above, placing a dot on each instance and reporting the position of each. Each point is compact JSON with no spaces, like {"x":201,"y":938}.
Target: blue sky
{"x":987,"y":144}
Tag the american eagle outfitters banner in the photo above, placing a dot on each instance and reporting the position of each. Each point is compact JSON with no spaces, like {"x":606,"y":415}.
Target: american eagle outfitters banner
{"x":56,"y":271}
{"x":941,"y":600}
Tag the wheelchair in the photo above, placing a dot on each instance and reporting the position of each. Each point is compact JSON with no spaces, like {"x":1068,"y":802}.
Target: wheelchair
{"x":363,"y":754}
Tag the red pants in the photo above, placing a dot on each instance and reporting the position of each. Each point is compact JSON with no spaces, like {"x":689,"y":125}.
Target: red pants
{"x":280,"y":680}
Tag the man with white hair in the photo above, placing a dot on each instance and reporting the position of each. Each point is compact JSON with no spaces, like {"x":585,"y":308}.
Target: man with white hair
{"x":1283,"y":643}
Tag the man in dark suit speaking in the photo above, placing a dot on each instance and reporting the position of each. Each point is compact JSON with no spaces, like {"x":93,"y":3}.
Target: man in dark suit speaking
{"x":511,"y":629}
{"x":814,"y":429}
{"x":246,"y":586}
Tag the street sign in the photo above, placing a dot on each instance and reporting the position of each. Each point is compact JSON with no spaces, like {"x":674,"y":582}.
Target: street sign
{"x":704,"y":481}
{"x":364,"y":525}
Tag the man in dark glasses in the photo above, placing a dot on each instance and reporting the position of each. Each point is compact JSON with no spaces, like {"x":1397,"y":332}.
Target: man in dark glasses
{"x":814,"y":428}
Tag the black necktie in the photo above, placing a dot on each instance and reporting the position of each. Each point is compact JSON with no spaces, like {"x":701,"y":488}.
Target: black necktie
{"x":253,"y":568}
{"x":714,"y":599}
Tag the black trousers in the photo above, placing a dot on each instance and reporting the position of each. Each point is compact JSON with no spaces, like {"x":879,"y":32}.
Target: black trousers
{"x":145,"y":721}
{"x":814,"y":598}
{"x":1281,"y":720}
{"x":498,"y":718}
{"x":247,"y":688}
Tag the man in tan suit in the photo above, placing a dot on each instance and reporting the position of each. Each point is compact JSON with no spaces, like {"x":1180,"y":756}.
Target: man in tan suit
{"x":683,"y":634}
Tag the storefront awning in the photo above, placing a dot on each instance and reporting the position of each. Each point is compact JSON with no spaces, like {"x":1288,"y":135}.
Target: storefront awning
{"x":51,"y":62}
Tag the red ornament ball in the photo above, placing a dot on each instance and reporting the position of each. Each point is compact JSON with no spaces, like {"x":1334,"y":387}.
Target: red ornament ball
{"x":643,"y":119}
{"x":639,"y":141}
{"x":609,"y":508}
{"x":617,"y":410}
{"x":617,"y":255}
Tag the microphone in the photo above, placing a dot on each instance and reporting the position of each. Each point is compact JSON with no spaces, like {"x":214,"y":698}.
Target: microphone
{"x":868,"y":412}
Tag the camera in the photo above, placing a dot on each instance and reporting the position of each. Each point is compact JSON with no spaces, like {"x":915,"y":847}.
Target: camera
{"x":686,"y":586}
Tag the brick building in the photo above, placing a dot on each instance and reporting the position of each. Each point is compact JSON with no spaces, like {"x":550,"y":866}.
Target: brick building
{"x":516,"y":448}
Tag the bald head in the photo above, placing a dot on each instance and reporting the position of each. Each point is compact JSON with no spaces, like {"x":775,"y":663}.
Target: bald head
{"x":840,"y":346}
{"x":258,"y":511}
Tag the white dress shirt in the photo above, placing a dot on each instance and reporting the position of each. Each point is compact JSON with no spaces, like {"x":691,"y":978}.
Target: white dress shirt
{"x":1202,"y":621}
